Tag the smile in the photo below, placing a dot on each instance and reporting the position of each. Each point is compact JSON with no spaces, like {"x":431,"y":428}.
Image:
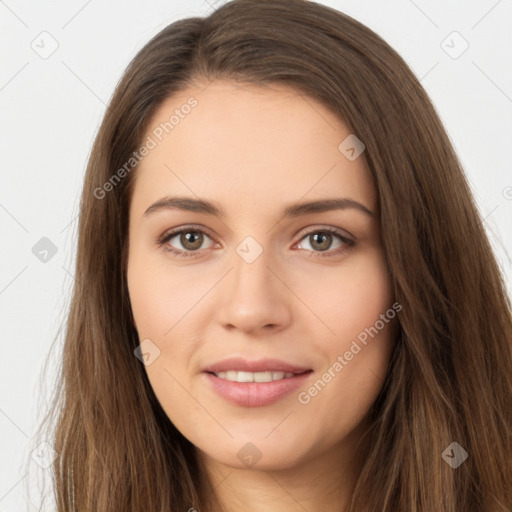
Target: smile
{"x":237,"y":376}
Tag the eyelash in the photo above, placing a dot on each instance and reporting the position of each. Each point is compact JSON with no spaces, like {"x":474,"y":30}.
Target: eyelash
{"x":348,"y":244}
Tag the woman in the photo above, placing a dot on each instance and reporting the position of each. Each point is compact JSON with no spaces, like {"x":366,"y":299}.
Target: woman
{"x":284,"y":298}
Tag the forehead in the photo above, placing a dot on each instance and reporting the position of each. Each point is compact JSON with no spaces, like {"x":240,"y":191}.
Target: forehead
{"x":269,"y":144}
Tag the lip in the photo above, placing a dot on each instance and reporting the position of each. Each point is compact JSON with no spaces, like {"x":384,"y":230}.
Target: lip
{"x":255,"y":394}
{"x":260,"y":365}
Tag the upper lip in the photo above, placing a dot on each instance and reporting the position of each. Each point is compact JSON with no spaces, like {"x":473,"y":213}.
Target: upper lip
{"x":259,"y":365}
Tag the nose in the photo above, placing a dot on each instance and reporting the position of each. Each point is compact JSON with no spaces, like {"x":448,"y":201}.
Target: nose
{"x":255,"y":297}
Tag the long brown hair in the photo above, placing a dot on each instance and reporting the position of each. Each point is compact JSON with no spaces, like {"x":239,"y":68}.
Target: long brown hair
{"x":450,"y":376}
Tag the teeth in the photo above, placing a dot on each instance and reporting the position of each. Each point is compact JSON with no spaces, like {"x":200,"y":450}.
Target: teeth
{"x":235,"y":376}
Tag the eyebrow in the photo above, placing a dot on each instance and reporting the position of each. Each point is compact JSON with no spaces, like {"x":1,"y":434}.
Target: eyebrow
{"x":291,"y":210}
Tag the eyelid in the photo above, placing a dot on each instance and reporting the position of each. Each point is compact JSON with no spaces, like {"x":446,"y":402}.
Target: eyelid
{"x":190,"y":227}
{"x":325,"y":227}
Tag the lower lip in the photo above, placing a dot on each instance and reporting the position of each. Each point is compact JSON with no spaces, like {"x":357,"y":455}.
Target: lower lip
{"x":255,"y":394}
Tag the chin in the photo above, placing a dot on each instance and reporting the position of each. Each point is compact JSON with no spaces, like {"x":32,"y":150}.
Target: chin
{"x":260,"y":456}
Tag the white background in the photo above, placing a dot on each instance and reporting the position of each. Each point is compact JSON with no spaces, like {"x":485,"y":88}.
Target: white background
{"x":51,"y":109}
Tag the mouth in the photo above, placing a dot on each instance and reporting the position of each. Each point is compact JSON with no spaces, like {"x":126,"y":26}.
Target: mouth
{"x":265,"y":376}
{"x":254,"y":383}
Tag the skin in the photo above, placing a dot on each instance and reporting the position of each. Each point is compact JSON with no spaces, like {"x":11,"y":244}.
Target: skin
{"x":253,"y":149}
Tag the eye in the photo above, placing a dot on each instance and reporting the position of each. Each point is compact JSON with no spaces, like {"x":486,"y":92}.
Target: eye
{"x":190,"y":238}
{"x":321,"y":240}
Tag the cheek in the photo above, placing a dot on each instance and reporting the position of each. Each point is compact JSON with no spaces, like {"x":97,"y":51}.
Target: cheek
{"x":352,"y":297}
{"x":358,"y":349}
{"x":160,"y":302}
{"x":159,"y":297}
{"x":166,"y":306}
{"x":153,"y":305}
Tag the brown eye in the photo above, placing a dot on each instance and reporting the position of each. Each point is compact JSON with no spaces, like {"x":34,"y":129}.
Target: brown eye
{"x":191,"y":240}
{"x":321,"y":241}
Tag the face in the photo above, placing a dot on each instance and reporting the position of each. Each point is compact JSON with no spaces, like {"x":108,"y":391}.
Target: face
{"x":266,"y":327}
